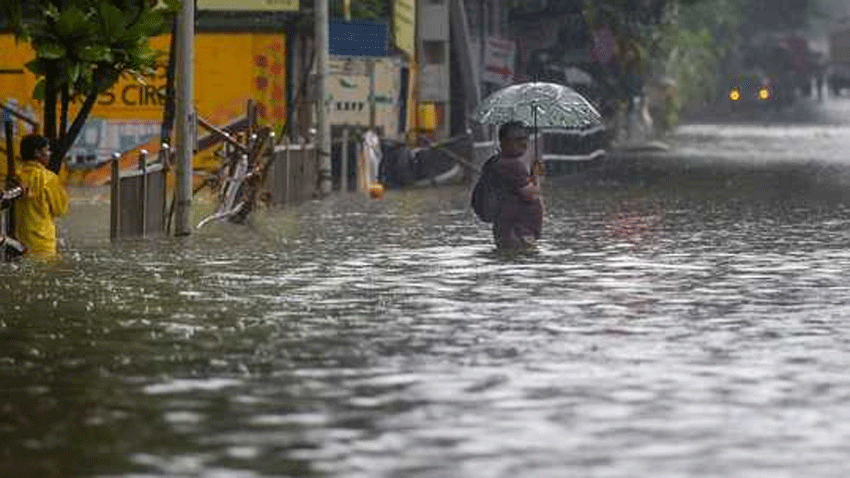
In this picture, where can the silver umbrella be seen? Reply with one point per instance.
(541, 106)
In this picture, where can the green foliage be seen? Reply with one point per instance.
(82, 48)
(692, 50)
(684, 40)
(11, 13)
(86, 45)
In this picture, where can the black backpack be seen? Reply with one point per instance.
(486, 200)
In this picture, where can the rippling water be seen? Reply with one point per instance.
(685, 316)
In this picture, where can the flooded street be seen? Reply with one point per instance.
(688, 314)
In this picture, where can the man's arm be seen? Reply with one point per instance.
(517, 179)
(56, 196)
(532, 190)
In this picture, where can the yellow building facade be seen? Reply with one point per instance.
(230, 69)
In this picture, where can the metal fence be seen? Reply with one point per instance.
(293, 176)
(138, 198)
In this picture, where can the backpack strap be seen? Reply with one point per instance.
(489, 163)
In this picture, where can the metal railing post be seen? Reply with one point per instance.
(143, 189)
(286, 171)
(165, 160)
(343, 165)
(115, 203)
(8, 226)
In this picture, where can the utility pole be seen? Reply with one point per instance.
(183, 134)
(481, 35)
(323, 130)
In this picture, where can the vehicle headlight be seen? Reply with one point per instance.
(735, 94)
(764, 93)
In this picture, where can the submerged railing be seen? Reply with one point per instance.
(138, 197)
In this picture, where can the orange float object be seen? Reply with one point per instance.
(376, 191)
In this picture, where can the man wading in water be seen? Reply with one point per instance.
(44, 198)
(520, 219)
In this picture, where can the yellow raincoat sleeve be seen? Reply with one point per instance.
(55, 196)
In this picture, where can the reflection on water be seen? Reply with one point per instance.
(678, 320)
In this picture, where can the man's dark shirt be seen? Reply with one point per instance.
(519, 219)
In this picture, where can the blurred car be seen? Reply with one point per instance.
(750, 88)
(754, 88)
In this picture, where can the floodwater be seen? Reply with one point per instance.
(687, 315)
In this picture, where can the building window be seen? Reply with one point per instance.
(434, 52)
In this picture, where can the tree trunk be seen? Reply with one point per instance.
(50, 98)
(63, 113)
(168, 109)
(299, 94)
(73, 131)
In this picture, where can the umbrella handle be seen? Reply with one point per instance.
(536, 160)
(537, 169)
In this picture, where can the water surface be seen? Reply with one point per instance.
(686, 315)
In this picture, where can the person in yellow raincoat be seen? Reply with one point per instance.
(44, 198)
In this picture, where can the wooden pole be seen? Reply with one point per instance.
(9, 128)
(343, 165)
(165, 160)
(286, 171)
(323, 129)
(143, 190)
(370, 67)
(184, 135)
(227, 137)
(115, 203)
(9, 216)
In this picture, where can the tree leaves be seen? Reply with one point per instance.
(73, 23)
(172, 5)
(11, 12)
(95, 53)
(73, 71)
(111, 20)
(38, 91)
(84, 46)
(84, 35)
(36, 66)
(51, 51)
